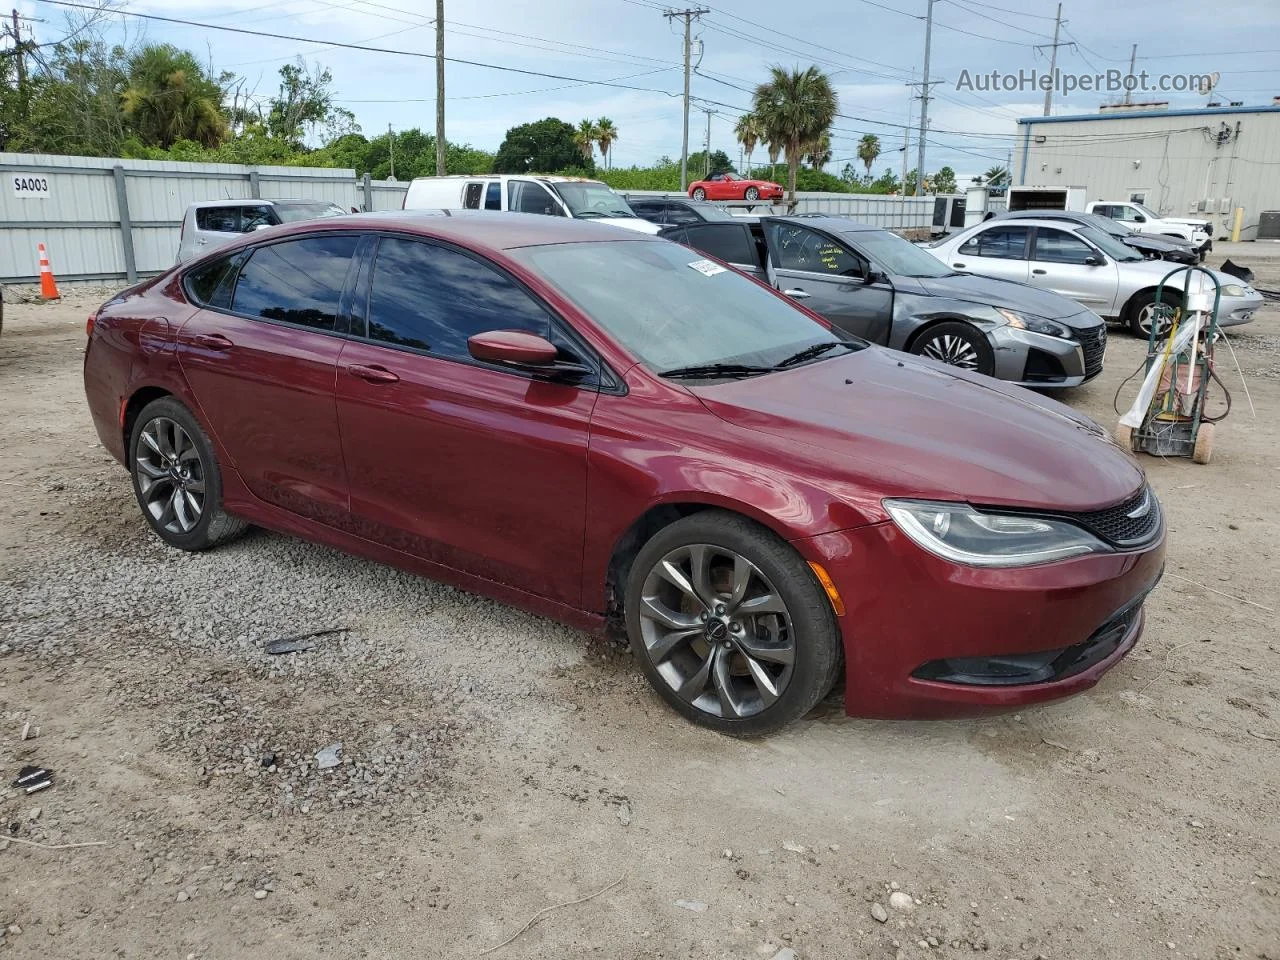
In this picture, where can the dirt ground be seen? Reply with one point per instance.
(495, 764)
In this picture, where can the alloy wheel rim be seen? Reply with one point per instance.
(716, 630)
(171, 476)
(953, 350)
(1145, 316)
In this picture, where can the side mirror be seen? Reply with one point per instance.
(1139, 218)
(1093, 261)
(527, 351)
(260, 226)
(874, 276)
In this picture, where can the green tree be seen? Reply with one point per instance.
(795, 107)
(997, 176)
(606, 134)
(944, 181)
(747, 131)
(869, 151)
(72, 102)
(540, 147)
(304, 105)
(168, 97)
(819, 154)
(585, 140)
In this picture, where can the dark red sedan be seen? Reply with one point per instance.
(606, 428)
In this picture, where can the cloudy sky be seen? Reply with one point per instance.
(872, 50)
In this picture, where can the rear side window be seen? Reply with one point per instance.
(1004, 243)
(433, 298)
(297, 281)
(493, 196)
(218, 219)
(471, 198)
(728, 241)
(210, 284)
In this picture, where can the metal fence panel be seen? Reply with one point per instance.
(895, 213)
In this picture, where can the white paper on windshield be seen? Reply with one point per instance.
(707, 268)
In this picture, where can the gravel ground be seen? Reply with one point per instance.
(494, 764)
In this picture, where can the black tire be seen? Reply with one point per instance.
(960, 341)
(817, 652)
(198, 464)
(752, 194)
(1143, 302)
(699, 194)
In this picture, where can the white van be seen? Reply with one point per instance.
(553, 196)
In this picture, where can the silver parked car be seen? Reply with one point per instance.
(212, 223)
(1084, 263)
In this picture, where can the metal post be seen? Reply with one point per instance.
(1053, 62)
(367, 183)
(706, 160)
(391, 143)
(126, 224)
(1133, 62)
(255, 188)
(906, 133)
(440, 142)
(688, 16)
(924, 100)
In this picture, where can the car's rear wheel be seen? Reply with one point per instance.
(752, 193)
(1144, 312)
(176, 478)
(699, 193)
(957, 344)
(730, 625)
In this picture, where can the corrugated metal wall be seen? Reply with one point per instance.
(79, 221)
(1200, 165)
(895, 213)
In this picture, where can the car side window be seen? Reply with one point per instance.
(253, 217)
(471, 197)
(678, 213)
(730, 242)
(1105, 210)
(648, 210)
(526, 196)
(432, 298)
(493, 196)
(218, 219)
(297, 281)
(799, 248)
(1003, 243)
(210, 284)
(1059, 246)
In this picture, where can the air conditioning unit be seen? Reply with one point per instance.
(1192, 208)
(1224, 205)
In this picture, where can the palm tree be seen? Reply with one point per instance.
(795, 107)
(606, 134)
(585, 137)
(819, 154)
(869, 150)
(747, 130)
(167, 98)
(996, 176)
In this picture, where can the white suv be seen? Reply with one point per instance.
(211, 223)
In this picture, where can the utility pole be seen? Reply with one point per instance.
(924, 99)
(440, 144)
(688, 16)
(1053, 60)
(391, 143)
(706, 153)
(17, 53)
(906, 131)
(1133, 62)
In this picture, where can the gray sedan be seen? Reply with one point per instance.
(1083, 263)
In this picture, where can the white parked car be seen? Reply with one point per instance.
(1135, 216)
(211, 223)
(553, 196)
(1084, 263)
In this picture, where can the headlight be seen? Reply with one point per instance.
(1234, 290)
(1025, 321)
(958, 532)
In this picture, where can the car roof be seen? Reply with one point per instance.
(254, 202)
(827, 222)
(479, 230)
(547, 177)
(1047, 215)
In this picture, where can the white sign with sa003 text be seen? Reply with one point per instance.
(26, 186)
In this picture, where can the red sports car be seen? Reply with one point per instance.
(608, 429)
(730, 186)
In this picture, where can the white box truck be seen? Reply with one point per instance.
(1048, 198)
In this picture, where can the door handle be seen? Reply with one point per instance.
(213, 341)
(371, 373)
(958, 266)
(1038, 271)
(796, 294)
(202, 240)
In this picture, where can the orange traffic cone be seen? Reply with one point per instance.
(48, 287)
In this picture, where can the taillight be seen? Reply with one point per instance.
(88, 324)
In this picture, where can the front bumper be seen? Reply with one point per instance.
(907, 610)
(1233, 311)
(1039, 361)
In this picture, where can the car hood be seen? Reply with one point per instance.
(1153, 271)
(892, 424)
(1152, 241)
(996, 293)
(1189, 221)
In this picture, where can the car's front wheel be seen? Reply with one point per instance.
(699, 194)
(957, 344)
(752, 193)
(176, 478)
(1145, 313)
(730, 625)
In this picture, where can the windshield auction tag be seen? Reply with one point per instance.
(707, 268)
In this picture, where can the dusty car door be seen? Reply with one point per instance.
(999, 250)
(261, 363)
(469, 464)
(1067, 265)
(821, 272)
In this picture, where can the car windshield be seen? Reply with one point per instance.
(900, 257)
(672, 309)
(293, 212)
(1109, 245)
(587, 200)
